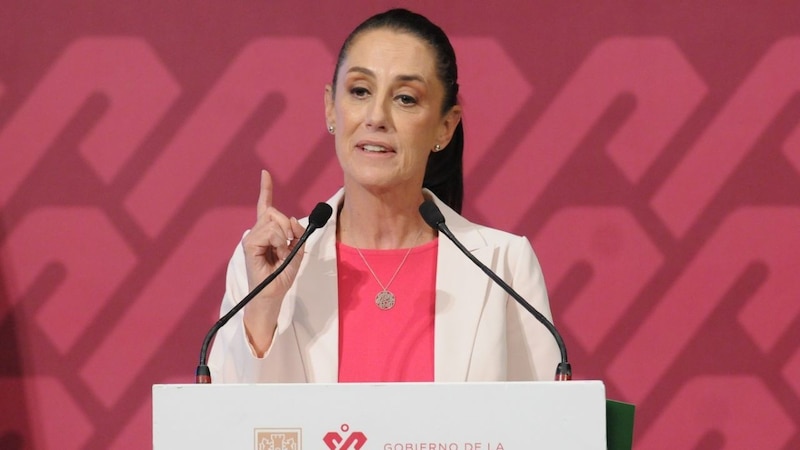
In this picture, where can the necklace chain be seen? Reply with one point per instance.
(376, 276)
(385, 298)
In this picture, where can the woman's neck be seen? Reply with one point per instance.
(382, 221)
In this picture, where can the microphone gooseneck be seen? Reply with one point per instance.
(435, 219)
(317, 219)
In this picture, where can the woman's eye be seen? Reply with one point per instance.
(359, 92)
(406, 100)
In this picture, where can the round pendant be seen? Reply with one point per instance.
(384, 300)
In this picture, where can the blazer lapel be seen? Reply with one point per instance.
(317, 308)
(460, 295)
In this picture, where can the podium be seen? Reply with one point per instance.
(389, 416)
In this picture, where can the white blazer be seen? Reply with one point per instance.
(480, 332)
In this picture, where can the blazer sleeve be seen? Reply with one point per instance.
(532, 351)
(232, 359)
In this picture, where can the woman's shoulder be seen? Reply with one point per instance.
(512, 253)
(499, 237)
(464, 228)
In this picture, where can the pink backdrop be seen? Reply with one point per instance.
(651, 153)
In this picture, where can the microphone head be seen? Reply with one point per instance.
(320, 214)
(430, 212)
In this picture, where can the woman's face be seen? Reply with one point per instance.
(387, 110)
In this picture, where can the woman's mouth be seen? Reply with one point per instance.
(371, 148)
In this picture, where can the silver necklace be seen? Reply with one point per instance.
(385, 299)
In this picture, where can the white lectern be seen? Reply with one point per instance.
(395, 416)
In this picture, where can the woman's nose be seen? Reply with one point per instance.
(377, 116)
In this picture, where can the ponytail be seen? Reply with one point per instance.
(444, 175)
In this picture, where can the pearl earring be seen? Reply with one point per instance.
(331, 129)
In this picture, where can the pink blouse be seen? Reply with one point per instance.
(386, 345)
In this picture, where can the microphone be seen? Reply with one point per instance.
(434, 218)
(317, 219)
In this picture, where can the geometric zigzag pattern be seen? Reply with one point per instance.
(655, 169)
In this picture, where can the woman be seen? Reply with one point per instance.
(375, 295)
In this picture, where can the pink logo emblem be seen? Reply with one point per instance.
(336, 441)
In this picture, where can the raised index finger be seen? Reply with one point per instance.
(265, 195)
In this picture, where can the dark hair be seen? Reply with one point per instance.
(444, 174)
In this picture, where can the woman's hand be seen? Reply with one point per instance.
(266, 246)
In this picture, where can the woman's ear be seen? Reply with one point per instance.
(330, 116)
(448, 125)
